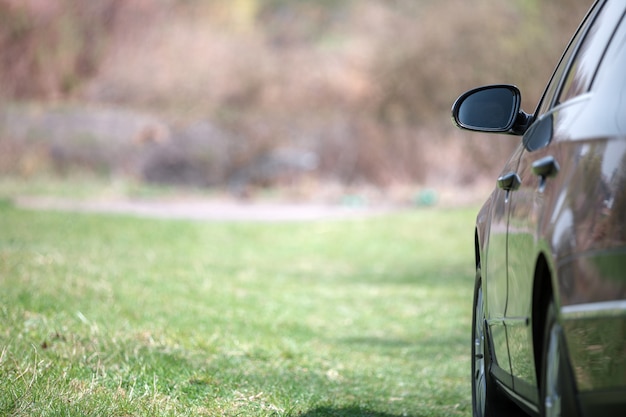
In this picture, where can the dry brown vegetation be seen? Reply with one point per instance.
(259, 92)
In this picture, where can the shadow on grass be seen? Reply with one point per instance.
(344, 412)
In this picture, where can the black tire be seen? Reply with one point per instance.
(557, 393)
(487, 400)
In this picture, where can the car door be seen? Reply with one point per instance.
(494, 268)
(546, 148)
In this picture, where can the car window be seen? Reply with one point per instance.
(555, 82)
(588, 56)
(550, 92)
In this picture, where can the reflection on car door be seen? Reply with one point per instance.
(526, 206)
(495, 271)
(548, 143)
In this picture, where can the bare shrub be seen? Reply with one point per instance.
(50, 47)
(366, 86)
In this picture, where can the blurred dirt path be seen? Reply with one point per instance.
(204, 209)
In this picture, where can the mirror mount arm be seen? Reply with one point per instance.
(522, 122)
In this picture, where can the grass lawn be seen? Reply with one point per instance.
(110, 315)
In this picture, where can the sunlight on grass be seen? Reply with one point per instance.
(112, 315)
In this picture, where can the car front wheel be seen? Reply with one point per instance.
(487, 401)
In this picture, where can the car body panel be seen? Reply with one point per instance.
(496, 289)
(579, 193)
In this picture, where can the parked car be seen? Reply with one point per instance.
(549, 312)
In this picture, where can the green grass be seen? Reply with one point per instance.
(109, 315)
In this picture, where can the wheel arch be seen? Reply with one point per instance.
(543, 293)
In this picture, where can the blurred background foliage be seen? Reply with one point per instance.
(255, 93)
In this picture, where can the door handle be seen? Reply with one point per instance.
(509, 182)
(546, 167)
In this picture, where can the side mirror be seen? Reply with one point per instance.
(493, 108)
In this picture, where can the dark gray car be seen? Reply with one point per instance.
(549, 328)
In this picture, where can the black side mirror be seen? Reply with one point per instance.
(493, 108)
